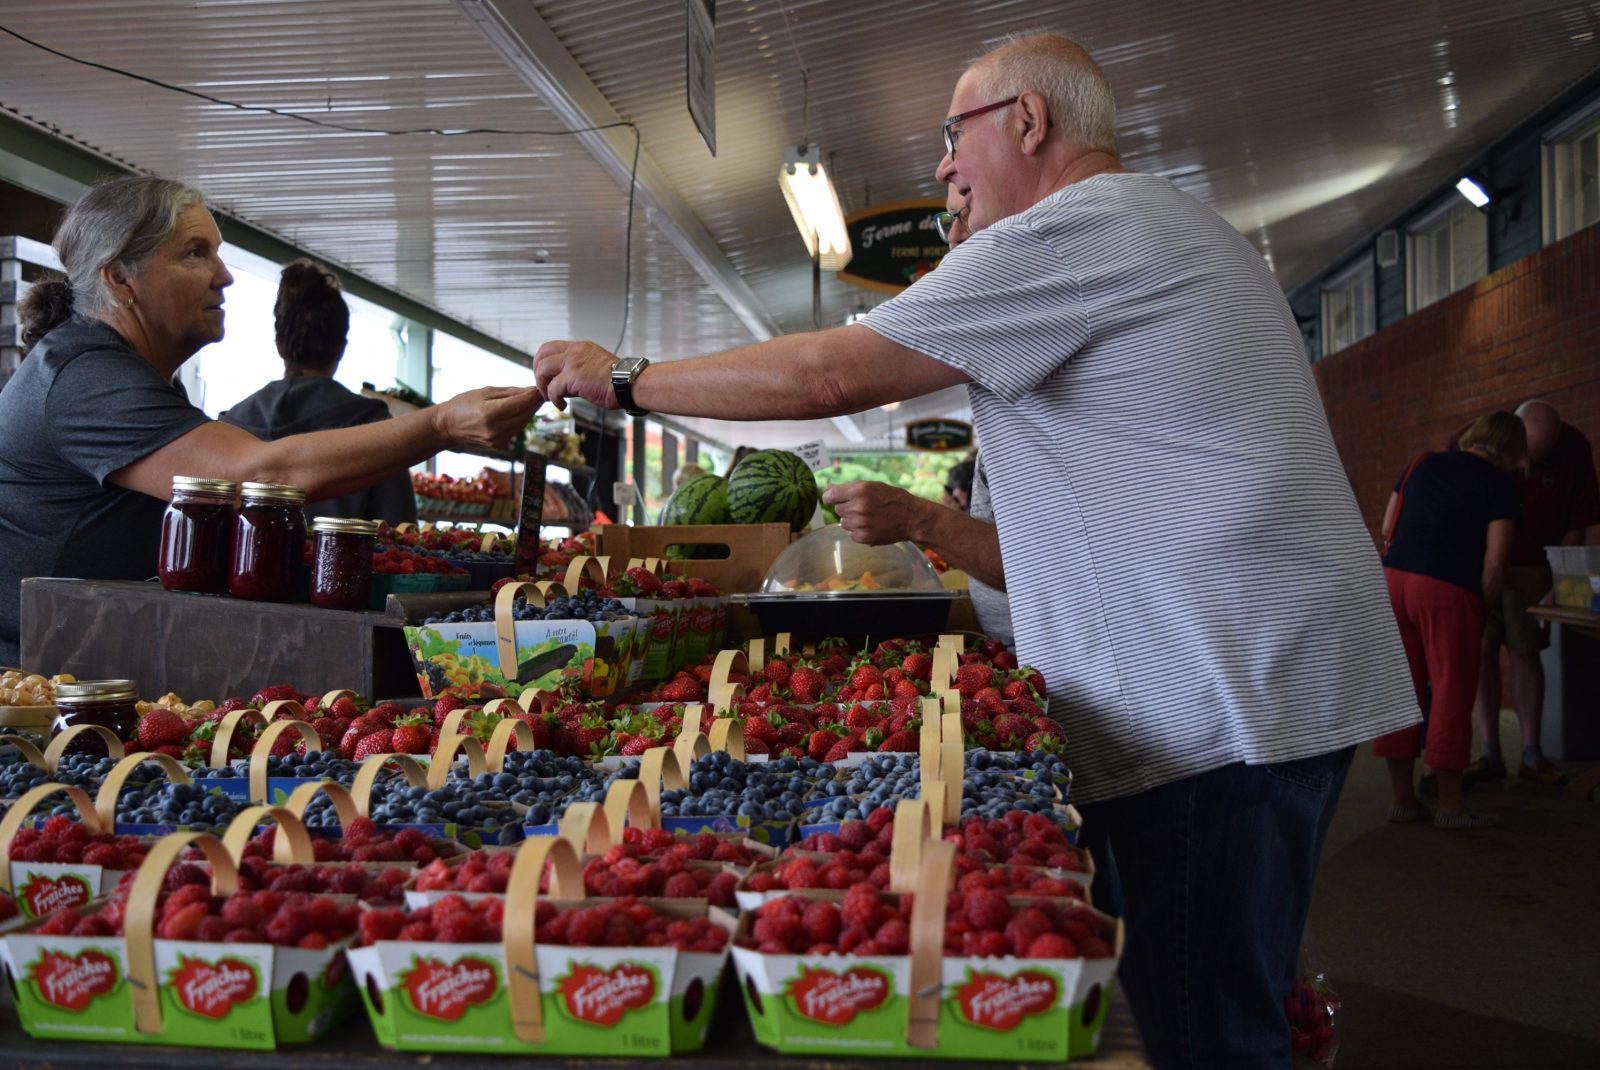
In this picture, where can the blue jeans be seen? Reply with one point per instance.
(1213, 875)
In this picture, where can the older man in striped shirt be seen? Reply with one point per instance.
(1184, 556)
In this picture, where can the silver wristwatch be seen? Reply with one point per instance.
(624, 373)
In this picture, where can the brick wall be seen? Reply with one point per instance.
(1531, 329)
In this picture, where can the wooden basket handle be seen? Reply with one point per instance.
(694, 716)
(519, 940)
(579, 567)
(688, 748)
(628, 805)
(912, 830)
(952, 770)
(262, 752)
(291, 844)
(325, 703)
(451, 725)
(59, 743)
(373, 767)
(139, 915)
(505, 625)
(500, 742)
(587, 827)
(780, 644)
(23, 808)
(225, 730)
(727, 734)
(504, 707)
(659, 768)
(928, 740)
(727, 663)
(344, 803)
(757, 656)
(725, 699)
(29, 749)
(105, 800)
(927, 943)
(943, 672)
(445, 756)
(487, 544)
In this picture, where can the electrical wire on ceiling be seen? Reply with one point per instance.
(633, 174)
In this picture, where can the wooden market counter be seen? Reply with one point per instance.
(1572, 690)
(729, 1046)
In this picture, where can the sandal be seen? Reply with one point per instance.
(1403, 815)
(1465, 821)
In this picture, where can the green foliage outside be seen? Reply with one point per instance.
(922, 474)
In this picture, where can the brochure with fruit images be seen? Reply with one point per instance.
(465, 656)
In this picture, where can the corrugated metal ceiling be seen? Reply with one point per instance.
(1304, 124)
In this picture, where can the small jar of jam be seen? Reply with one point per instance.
(197, 535)
(341, 562)
(109, 703)
(267, 542)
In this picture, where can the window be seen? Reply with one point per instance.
(1449, 249)
(1572, 176)
(1349, 310)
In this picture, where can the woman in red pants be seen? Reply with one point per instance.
(1450, 519)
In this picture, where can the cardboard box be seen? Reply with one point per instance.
(547, 652)
(751, 548)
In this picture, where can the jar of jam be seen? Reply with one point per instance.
(109, 703)
(197, 535)
(268, 540)
(341, 562)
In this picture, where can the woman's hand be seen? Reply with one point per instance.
(487, 418)
(575, 370)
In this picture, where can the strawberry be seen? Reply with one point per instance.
(1012, 730)
(344, 706)
(806, 684)
(972, 678)
(410, 739)
(906, 689)
(444, 706)
(777, 672)
(759, 727)
(683, 688)
(865, 675)
(917, 666)
(839, 751)
(902, 741)
(1043, 743)
(820, 744)
(161, 727)
(379, 742)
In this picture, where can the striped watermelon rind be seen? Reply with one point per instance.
(701, 500)
(772, 487)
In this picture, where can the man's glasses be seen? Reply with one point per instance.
(944, 223)
(949, 139)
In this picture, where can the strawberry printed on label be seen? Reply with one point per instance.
(43, 895)
(602, 997)
(211, 990)
(836, 998)
(1000, 1003)
(71, 982)
(445, 992)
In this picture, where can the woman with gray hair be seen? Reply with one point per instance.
(93, 429)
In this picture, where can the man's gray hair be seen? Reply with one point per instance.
(120, 221)
(1057, 68)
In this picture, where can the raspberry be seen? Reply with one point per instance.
(986, 910)
(720, 892)
(586, 928)
(799, 873)
(104, 855)
(287, 927)
(241, 912)
(184, 873)
(461, 929)
(1052, 946)
(860, 908)
(781, 930)
(211, 929)
(821, 922)
(183, 923)
(985, 945)
(765, 881)
(1023, 930)
(894, 937)
(681, 886)
(1095, 948)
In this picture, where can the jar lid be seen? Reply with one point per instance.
(98, 690)
(336, 525)
(203, 485)
(283, 492)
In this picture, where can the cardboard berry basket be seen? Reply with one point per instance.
(256, 785)
(42, 887)
(136, 989)
(519, 997)
(515, 655)
(925, 1004)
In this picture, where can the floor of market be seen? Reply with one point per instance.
(1464, 949)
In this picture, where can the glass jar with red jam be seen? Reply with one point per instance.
(268, 541)
(341, 562)
(108, 703)
(197, 535)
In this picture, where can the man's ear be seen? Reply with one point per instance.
(1035, 115)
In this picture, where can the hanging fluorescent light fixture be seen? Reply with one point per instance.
(815, 206)
(1472, 192)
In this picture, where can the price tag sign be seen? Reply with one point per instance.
(531, 514)
(815, 454)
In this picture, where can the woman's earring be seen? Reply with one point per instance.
(128, 302)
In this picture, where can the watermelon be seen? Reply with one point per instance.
(772, 487)
(701, 500)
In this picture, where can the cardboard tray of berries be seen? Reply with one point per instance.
(565, 975)
(865, 975)
(198, 966)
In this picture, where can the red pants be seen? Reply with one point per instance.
(1441, 626)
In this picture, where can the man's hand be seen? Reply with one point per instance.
(488, 418)
(574, 370)
(877, 513)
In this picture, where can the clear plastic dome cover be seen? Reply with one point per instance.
(828, 561)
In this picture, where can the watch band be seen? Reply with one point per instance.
(622, 385)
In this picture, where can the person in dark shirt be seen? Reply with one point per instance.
(93, 429)
(311, 321)
(1560, 498)
(1451, 520)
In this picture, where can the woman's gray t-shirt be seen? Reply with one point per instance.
(81, 406)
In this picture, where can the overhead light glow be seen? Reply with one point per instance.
(1472, 192)
(815, 206)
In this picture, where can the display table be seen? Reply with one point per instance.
(209, 646)
(1571, 729)
(730, 1046)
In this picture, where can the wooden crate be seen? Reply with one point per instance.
(752, 548)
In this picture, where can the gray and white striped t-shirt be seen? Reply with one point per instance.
(1183, 553)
